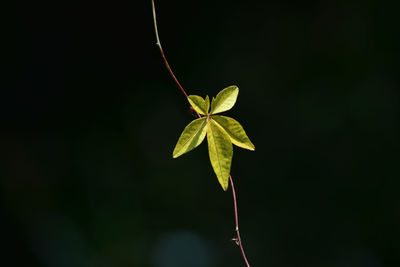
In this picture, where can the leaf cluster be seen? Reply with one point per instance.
(221, 132)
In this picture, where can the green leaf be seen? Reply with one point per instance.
(207, 100)
(191, 137)
(235, 131)
(199, 104)
(224, 100)
(220, 151)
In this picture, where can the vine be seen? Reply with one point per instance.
(221, 132)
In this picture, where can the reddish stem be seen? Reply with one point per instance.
(162, 52)
(238, 239)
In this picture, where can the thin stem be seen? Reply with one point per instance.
(162, 52)
(238, 239)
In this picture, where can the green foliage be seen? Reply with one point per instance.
(235, 131)
(221, 151)
(225, 100)
(199, 104)
(221, 132)
(191, 137)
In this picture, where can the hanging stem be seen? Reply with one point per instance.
(237, 239)
(162, 52)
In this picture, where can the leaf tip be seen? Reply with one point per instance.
(234, 88)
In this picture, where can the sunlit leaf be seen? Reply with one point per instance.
(199, 104)
(224, 100)
(191, 137)
(221, 132)
(207, 100)
(235, 131)
(220, 151)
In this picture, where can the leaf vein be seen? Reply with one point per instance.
(194, 133)
(216, 148)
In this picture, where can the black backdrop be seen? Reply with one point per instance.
(90, 116)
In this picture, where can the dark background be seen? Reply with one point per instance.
(90, 116)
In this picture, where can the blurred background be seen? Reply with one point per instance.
(90, 116)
